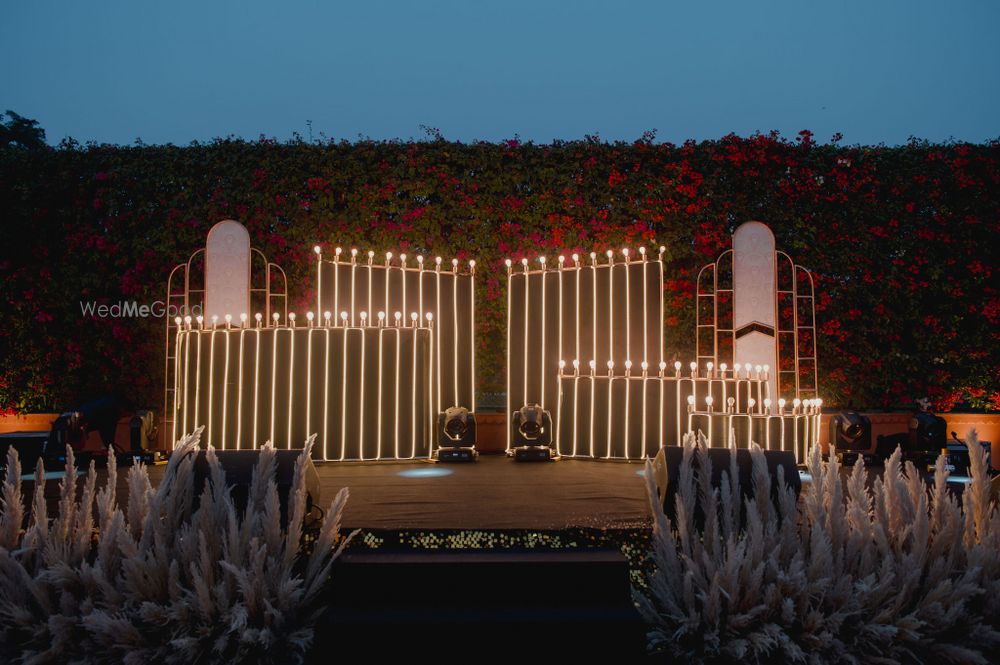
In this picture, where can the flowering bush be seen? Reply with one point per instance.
(160, 581)
(892, 574)
(899, 240)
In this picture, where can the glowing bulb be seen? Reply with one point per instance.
(562, 364)
(677, 365)
(388, 256)
(200, 319)
(576, 364)
(420, 259)
(343, 317)
(327, 315)
(662, 249)
(541, 259)
(781, 403)
(663, 365)
(593, 364)
(507, 262)
(644, 365)
(397, 316)
(317, 249)
(413, 317)
(454, 263)
(709, 365)
(767, 368)
(229, 319)
(722, 368)
(691, 400)
(291, 317)
(796, 403)
(310, 316)
(709, 400)
(767, 402)
(437, 260)
(593, 255)
(576, 258)
(472, 264)
(818, 402)
(642, 250)
(354, 252)
(429, 317)
(215, 319)
(338, 251)
(731, 401)
(243, 317)
(628, 364)
(562, 259)
(258, 316)
(611, 364)
(275, 316)
(751, 402)
(524, 262)
(610, 254)
(693, 366)
(402, 257)
(178, 320)
(747, 367)
(187, 319)
(364, 317)
(381, 317)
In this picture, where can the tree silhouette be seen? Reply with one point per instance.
(16, 130)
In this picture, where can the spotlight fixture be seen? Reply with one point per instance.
(457, 435)
(532, 434)
(851, 432)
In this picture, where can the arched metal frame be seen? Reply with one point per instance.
(181, 298)
(707, 289)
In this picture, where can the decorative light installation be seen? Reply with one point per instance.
(756, 305)
(604, 311)
(630, 416)
(364, 390)
(408, 284)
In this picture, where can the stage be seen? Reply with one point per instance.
(495, 493)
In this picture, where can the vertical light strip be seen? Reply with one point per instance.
(645, 306)
(542, 367)
(430, 389)
(378, 408)
(611, 306)
(560, 328)
(593, 327)
(197, 385)
(309, 364)
(472, 333)
(343, 390)
(326, 388)
(413, 398)
(527, 312)
(437, 338)
(256, 385)
(291, 385)
(225, 391)
(178, 396)
(211, 382)
(396, 401)
(354, 267)
(454, 323)
(510, 298)
(643, 432)
(559, 399)
(628, 384)
(628, 312)
(274, 378)
(361, 410)
(239, 393)
(577, 319)
(319, 279)
(611, 393)
(576, 411)
(593, 399)
(187, 398)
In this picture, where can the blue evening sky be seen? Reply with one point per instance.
(172, 72)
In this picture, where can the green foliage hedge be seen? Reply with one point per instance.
(901, 241)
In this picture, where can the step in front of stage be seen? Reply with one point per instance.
(461, 604)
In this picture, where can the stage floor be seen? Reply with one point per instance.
(493, 493)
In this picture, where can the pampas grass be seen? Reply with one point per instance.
(161, 582)
(898, 573)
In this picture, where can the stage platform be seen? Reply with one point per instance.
(495, 493)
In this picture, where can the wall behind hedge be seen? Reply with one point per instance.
(901, 241)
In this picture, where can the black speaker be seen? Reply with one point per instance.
(851, 431)
(668, 464)
(928, 433)
(239, 466)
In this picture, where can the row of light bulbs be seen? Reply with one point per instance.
(438, 261)
(755, 372)
(806, 407)
(576, 258)
(312, 321)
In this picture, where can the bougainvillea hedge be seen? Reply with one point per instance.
(901, 240)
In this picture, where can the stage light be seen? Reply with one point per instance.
(424, 473)
(532, 434)
(457, 435)
(851, 431)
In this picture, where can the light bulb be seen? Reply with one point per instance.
(243, 317)
(747, 367)
(437, 260)
(429, 317)
(663, 365)
(541, 259)
(562, 259)
(781, 403)
(694, 367)
(354, 252)
(317, 249)
(691, 400)
(381, 317)
(751, 402)
(371, 255)
(593, 364)
(796, 402)
(472, 264)
(709, 400)
(625, 252)
(610, 254)
(338, 251)
(731, 401)
(767, 368)
(388, 256)
(215, 319)
(229, 319)
(402, 257)
(364, 317)
(677, 365)
(291, 317)
(611, 364)
(507, 262)
(644, 365)
(454, 263)
(327, 315)
(524, 262)
(413, 317)
(187, 319)
(709, 365)
(722, 368)
(397, 316)
(420, 260)
(576, 364)
(642, 250)
(258, 316)
(200, 319)
(178, 320)
(767, 402)
(562, 364)
(310, 316)
(818, 402)
(275, 316)
(343, 317)
(576, 258)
